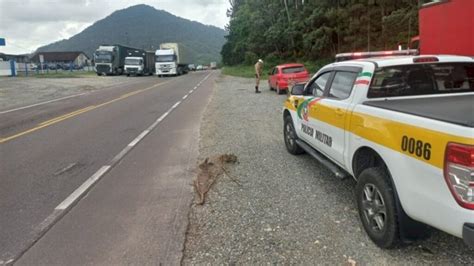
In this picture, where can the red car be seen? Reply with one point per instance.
(282, 76)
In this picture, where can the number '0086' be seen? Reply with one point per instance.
(416, 147)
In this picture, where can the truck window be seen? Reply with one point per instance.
(342, 84)
(425, 79)
(165, 58)
(317, 87)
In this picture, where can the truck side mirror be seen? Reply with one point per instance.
(298, 89)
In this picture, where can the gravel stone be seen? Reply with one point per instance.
(289, 209)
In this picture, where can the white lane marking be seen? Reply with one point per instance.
(163, 116)
(41, 103)
(119, 156)
(175, 105)
(185, 96)
(83, 188)
(137, 139)
(150, 128)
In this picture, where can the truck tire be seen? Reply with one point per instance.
(290, 136)
(270, 86)
(377, 207)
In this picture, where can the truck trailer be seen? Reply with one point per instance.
(110, 59)
(140, 62)
(172, 59)
(445, 27)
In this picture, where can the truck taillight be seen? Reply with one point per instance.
(459, 173)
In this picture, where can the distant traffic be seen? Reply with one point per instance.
(171, 59)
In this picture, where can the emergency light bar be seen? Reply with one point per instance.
(359, 55)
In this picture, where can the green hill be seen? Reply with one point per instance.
(145, 27)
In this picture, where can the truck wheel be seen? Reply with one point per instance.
(270, 86)
(290, 136)
(377, 207)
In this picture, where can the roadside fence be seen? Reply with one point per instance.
(12, 68)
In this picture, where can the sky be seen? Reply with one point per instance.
(29, 24)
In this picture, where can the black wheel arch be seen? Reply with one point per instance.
(366, 157)
(286, 113)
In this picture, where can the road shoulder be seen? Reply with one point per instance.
(287, 209)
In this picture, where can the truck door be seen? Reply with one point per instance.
(305, 126)
(330, 114)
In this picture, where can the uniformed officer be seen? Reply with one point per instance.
(258, 73)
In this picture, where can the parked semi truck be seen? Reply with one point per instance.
(110, 59)
(445, 27)
(172, 59)
(140, 62)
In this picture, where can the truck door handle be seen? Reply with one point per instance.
(339, 111)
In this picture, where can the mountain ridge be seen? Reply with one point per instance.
(145, 27)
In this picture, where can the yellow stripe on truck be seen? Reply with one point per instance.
(392, 134)
(420, 143)
(326, 113)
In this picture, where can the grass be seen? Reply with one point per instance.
(248, 71)
(244, 71)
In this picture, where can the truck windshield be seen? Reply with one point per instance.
(133, 61)
(165, 58)
(103, 57)
(423, 79)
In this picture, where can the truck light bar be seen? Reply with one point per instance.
(359, 55)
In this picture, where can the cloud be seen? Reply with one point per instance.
(28, 24)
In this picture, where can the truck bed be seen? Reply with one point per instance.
(456, 109)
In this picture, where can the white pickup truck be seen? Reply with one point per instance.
(403, 128)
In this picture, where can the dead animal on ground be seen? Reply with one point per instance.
(209, 171)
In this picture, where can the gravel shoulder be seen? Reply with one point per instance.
(288, 209)
(17, 92)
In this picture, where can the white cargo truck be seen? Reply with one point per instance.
(172, 59)
(213, 65)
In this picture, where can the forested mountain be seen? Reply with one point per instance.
(145, 27)
(313, 29)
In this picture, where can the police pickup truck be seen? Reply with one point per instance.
(403, 128)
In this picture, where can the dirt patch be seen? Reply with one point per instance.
(209, 171)
(18, 92)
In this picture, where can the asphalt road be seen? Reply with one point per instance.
(129, 149)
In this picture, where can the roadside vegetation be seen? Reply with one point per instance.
(248, 71)
(313, 31)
